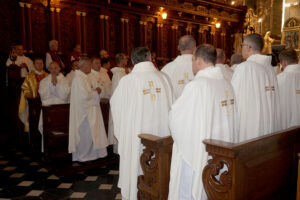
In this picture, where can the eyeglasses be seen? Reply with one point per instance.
(247, 45)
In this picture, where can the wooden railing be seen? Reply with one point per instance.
(261, 168)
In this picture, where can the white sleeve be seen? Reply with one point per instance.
(48, 60)
(44, 90)
(8, 62)
(29, 63)
(96, 99)
(62, 89)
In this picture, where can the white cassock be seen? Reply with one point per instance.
(140, 104)
(87, 140)
(256, 90)
(289, 92)
(70, 77)
(233, 67)
(19, 61)
(226, 71)
(52, 94)
(205, 110)
(118, 73)
(107, 83)
(180, 72)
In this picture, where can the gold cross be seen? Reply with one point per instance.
(186, 79)
(227, 102)
(152, 90)
(270, 89)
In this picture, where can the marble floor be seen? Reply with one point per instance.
(22, 177)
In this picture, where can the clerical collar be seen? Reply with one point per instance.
(146, 66)
(292, 68)
(260, 59)
(210, 72)
(37, 72)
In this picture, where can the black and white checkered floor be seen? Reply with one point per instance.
(24, 178)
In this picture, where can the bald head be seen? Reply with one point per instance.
(220, 56)
(85, 65)
(187, 44)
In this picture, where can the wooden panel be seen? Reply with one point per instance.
(68, 28)
(92, 20)
(39, 28)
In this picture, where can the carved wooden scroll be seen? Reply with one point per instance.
(155, 162)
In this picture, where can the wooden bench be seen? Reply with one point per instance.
(261, 168)
(56, 130)
(34, 107)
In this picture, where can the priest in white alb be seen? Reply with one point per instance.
(96, 82)
(220, 63)
(118, 72)
(53, 89)
(256, 90)
(105, 67)
(289, 88)
(71, 74)
(22, 61)
(140, 104)
(180, 70)
(86, 141)
(205, 110)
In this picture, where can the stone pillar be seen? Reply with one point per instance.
(102, 32)
(107, 33)
(22, 24)
(78, 27)
(52, 22)
(84, 33)
(122, 35)
(29, 27)
(58, 28)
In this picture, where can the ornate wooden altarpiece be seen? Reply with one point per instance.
(121, 25)
(291, 34)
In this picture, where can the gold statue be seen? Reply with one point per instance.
(268, 43)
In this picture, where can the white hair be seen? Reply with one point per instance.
(53, 43)
(83, 61)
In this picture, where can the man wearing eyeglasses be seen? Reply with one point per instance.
(256, 89)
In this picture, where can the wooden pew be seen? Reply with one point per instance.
(34, 107)
(261, 168)
(56, 130)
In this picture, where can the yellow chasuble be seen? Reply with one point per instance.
(30, 86)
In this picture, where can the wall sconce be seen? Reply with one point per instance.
(218, 25)
(164, 15)
(259, 20)
(232, 3)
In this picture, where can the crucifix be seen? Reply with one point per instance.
(152, 91)
(270, 89)
(227, 102)
(186, 79)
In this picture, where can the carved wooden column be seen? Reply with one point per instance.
(101, 32)
(52, 19)
(141, 28)
(84, 33)
(213, 34)
(145, 34)
(22, 20)
(223, 39)
(127, 37)
(161, 39)
(173, 42)
(29, 28)
(122, 35)
(78, 27)
(58, 28)
(200, 35)
(158, 39)
(107, 33)
(189, 29)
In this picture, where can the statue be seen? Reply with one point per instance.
(268, 43)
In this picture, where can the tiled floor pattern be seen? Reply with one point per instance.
(23, 178)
